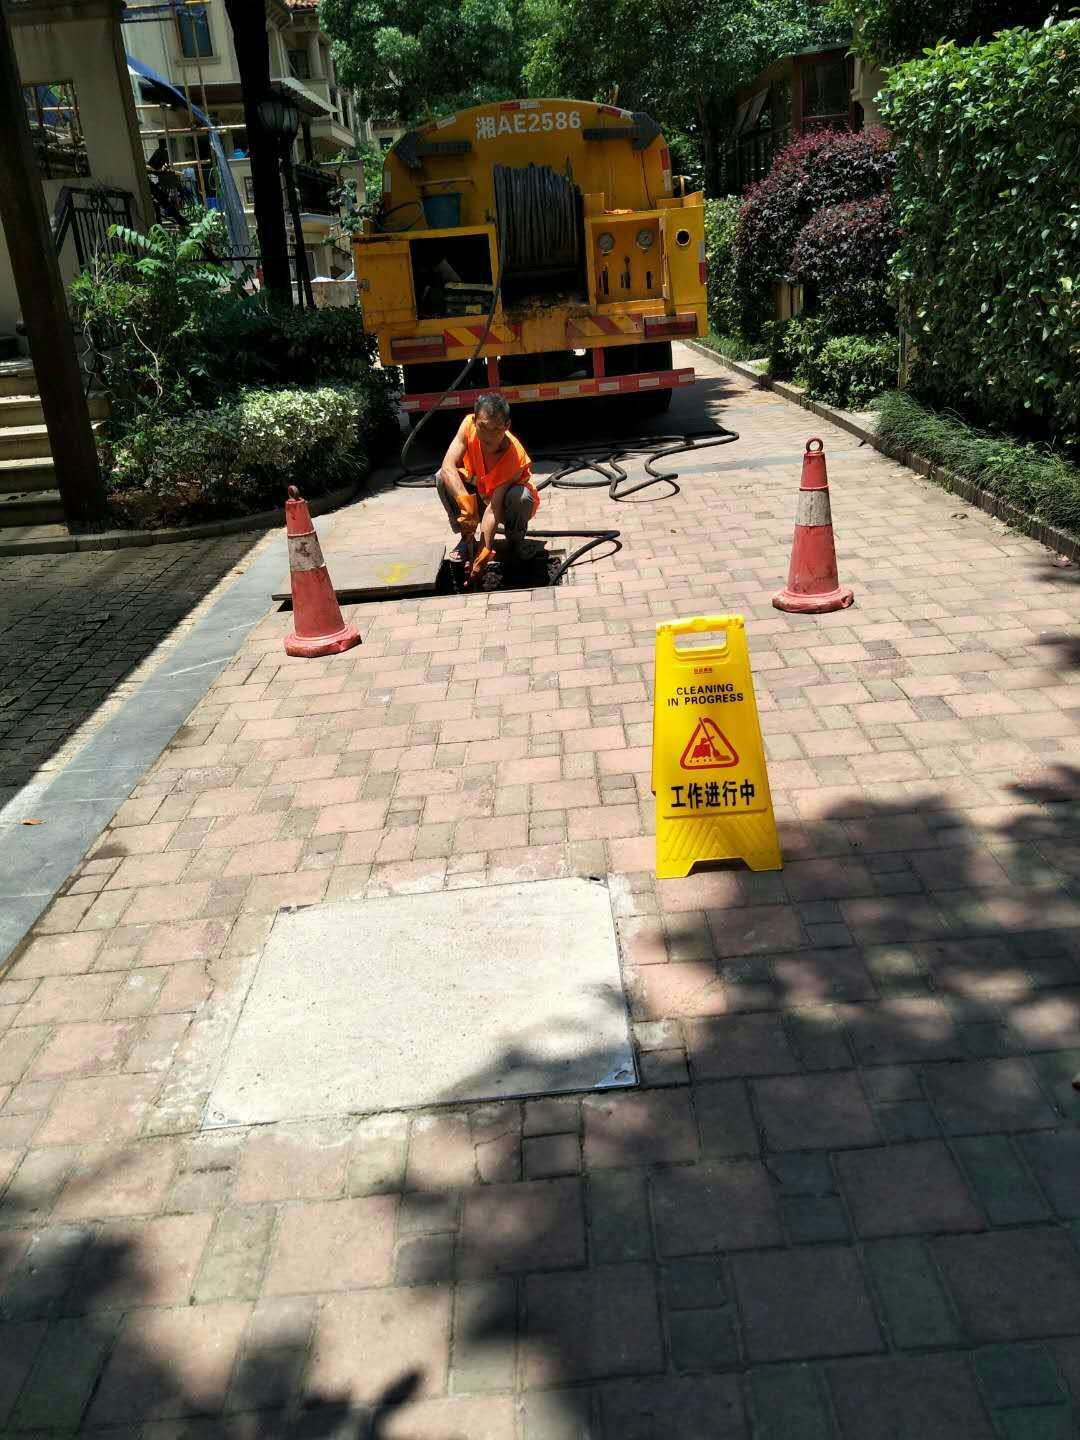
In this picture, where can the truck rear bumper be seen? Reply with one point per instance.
(556, 390)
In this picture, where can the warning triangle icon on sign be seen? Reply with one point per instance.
(709, 749)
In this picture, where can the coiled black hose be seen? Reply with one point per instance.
(538, 213)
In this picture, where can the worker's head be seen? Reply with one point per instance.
(492, 416)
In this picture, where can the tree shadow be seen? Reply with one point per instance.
(905, 993)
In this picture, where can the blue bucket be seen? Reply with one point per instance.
(443, 212)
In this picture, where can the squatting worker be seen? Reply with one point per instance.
(485, 481)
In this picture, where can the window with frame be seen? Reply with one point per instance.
(249, 190)
(56, 131)
(193, 23)
(299, 64)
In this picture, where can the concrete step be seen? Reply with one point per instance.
(20, 477)
(43, 508)
(17, 378)
(28, 442)
(25, 409)
(24, 442)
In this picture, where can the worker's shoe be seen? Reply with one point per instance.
(460, 553)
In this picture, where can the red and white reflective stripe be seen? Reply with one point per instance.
(520, 105)
(565, 390)
(702, 263)
(418, 347)
(665, 168)
(614, 110)
(446, 122)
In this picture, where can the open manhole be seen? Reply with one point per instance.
(417, 1000)
(418, 570)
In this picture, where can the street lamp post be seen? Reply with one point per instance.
(280, 119)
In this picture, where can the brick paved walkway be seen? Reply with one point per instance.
(76, 630)
(845, 1200)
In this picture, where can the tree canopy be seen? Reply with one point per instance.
(680, 62)
(888, 31)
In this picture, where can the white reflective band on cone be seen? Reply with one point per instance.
(305, 552)
(814, 508)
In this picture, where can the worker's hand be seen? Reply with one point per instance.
(467, 516)
(480, 564)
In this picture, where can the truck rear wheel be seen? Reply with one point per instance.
(654, 356)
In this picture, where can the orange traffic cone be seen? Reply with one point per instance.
(320, 628)
(813, 587)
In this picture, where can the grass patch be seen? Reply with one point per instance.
(733, 346)
(1032, 477)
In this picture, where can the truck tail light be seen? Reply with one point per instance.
(419, 347)
(702, 263)
(670, 325)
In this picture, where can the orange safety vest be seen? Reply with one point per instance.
(513, 464)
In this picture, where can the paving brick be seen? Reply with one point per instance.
(153, 1262)
(591, 1325)
(906, 1190)
(293, 1163)
(57, 955)
(916, 1309)
(169, 1363)
(377, 1160)
(1002, 1185)
(1012, 1284)
(725, 1121)
(91, 1048)
(618, 1209)
(538, 1224)
(656, 1127)
(69, 997)
(548, 1155)
(713, 1208)
(485, 1337)
(789, 1400)
(804, 1112)
(333, 1245)
(980, 1097)
(235, 1258)
(1018, 1375)
(804, 1303)
(108, 1181)
(107, 1108)
(441, 1152)
(1055, 1159)
(66, 1367)
(737, 1046)
(18, 1346)
(814, 1220)
(699, 1407)
(363, 1337)
(552, 1117)
(902, 1396)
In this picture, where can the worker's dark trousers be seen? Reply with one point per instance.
(517, 511)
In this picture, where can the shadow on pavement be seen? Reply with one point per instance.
(869, 1050)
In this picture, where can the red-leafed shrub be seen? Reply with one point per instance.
(841, 256)
(819, 170)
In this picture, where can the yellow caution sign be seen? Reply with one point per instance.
(708, 765)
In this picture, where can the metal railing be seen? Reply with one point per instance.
(315, 190)
(86, 215)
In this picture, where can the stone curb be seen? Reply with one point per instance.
(174, 534)
(1054, 539)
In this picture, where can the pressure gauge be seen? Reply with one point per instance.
(605, 243)
(645, 239)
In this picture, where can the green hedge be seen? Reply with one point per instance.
(721, 225)
(1037, 480)
(987, 193)
(240, 456)
(851, 370)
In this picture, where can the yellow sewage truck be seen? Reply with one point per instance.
(546, 238)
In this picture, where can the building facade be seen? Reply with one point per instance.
(192, 49)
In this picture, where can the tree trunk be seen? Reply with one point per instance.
(248, 21)
(708, 146)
